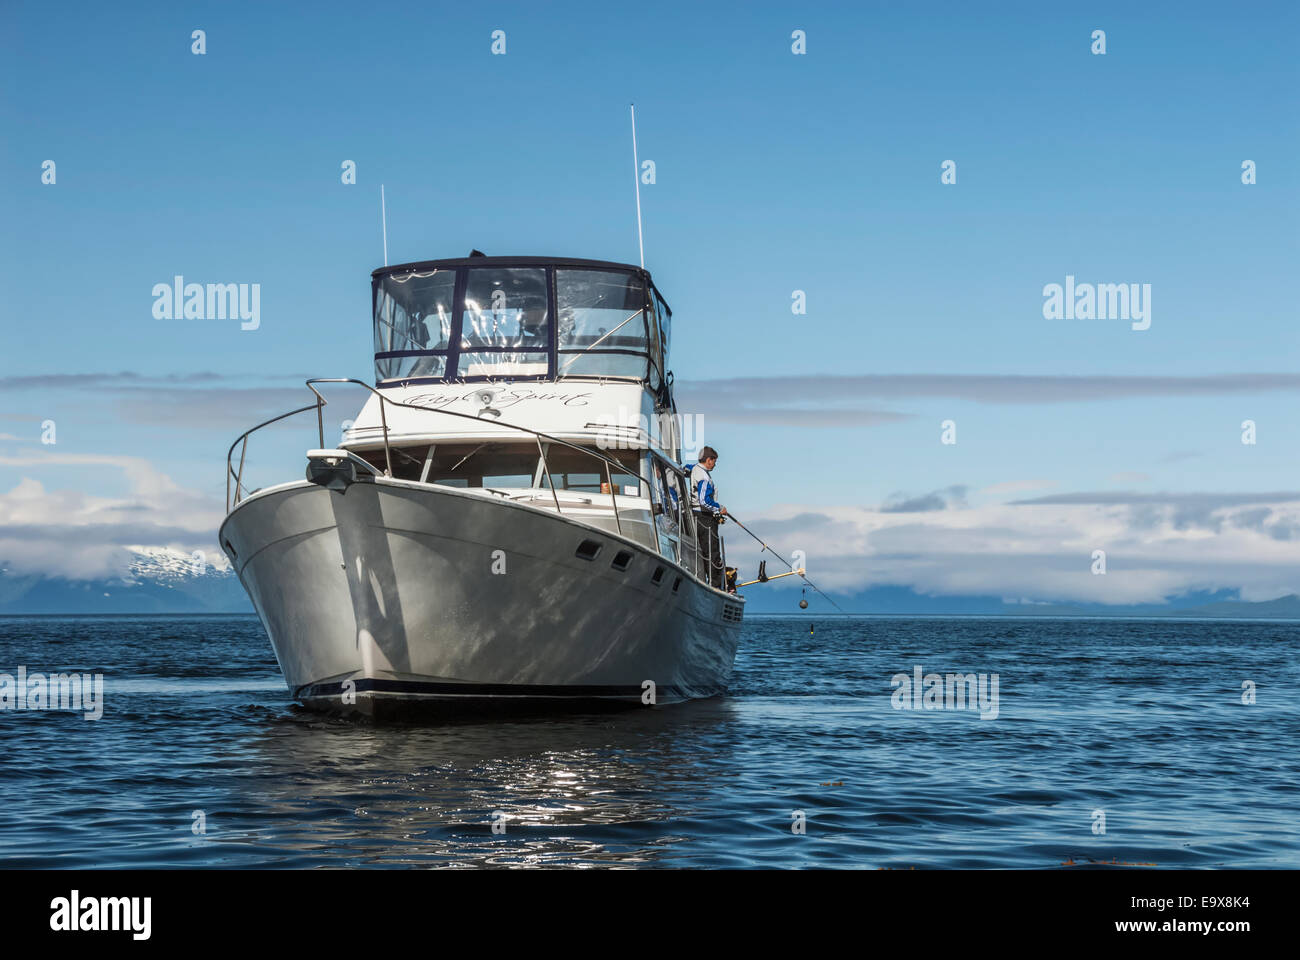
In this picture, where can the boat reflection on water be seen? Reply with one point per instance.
(576, 790)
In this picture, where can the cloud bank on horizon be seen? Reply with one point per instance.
(73, 534)
(1106, 548)
(1040, 549)
(1026, 540)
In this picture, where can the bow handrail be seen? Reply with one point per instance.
(388, 458)
(322, 402)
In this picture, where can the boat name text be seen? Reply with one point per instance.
(500, 399)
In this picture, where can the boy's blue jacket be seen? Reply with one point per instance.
(703, 492)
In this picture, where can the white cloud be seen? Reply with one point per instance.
(1157, 545)
(1043, 551)
(79, 535)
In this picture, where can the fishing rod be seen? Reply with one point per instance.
(765, 578)
(799, 572)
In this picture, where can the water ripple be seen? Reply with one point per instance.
(1139, 724)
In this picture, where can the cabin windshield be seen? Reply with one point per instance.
(506, 322)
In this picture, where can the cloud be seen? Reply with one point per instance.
(1158, 545)
(186, 401)
(938, 500)
(86, 381)
(219, 400)
(817, 397)
(1209, 501)
(73, 534)
(1041, 550)
(229, 408)
(930, 501)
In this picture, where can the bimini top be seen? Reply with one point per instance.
(518, 318)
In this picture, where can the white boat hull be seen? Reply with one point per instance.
(392, 596)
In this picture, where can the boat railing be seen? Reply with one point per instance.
(235, 490)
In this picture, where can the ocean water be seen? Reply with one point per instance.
(1115, 741)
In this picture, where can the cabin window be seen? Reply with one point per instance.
(495, 465)
(665, 325)
(601, 325)
(513, 466)
(571, 470)
(413, 324)
(658, 342)
(505, 324)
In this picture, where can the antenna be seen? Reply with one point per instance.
(383, 213)
(636, 172)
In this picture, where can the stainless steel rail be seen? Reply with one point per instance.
(686, 538)
(243, 437)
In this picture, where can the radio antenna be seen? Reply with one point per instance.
(636, 171)
(383, 213)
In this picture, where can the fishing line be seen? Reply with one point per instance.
(802, 576)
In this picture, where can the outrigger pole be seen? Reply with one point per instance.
(793, 572)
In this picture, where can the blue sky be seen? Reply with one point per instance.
(775, 173)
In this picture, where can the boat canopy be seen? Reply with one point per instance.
(518, 318)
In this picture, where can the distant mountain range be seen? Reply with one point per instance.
(159, 580)
(163, 580)
(904, 601)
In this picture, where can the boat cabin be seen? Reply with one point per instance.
(554, 373)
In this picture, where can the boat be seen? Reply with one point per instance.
(506, 522)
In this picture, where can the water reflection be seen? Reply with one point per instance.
(590, 789)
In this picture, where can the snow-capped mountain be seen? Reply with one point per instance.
(169, 565)
(156, 580)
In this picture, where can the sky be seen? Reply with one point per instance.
(775, 172)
